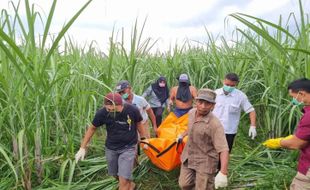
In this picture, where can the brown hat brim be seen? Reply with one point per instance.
(206, 99)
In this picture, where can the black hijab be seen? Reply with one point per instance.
(184, 93)
(162, 93)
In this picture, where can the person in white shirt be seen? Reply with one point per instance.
(124, 89)
(229, 103)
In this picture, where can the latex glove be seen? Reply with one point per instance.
(252, 132)
(179, 139)
(168, 109)
(145, 146)
(220, 180)
(275, 143)
(80, 155)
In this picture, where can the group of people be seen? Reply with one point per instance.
(213, 123)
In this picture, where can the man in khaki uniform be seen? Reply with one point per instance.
(205, 146)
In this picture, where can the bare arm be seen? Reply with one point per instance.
(141, 129)
(224, 157)
(153, 118)
(194, 92)
(293, 143)
(172, 94)
(184, 134)
(171, 98)
(88, 135)
(252, 115)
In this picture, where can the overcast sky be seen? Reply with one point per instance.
(169, 21)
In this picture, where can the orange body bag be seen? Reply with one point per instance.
(164, 151)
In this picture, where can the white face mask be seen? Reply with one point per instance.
(161, 84)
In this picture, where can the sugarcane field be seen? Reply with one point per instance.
(225, 108)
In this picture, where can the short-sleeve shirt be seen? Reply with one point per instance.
(303, 132)
(228, 108)
(206, 139)
(142, 105)
(121, 127)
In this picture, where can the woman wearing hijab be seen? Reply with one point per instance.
(157, 95)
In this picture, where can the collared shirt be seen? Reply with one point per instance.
(142, 105)
(228, 108)
(206, 139)
(303, 132)
(153, 99)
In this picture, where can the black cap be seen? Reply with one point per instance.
(122, 85)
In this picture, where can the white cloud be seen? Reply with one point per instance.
(168, 20)
(263, 7)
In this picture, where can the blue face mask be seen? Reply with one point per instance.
(295, 102)
(228, 89)
(125, 96)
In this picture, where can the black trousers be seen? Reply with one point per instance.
(158, 112)
(230, 141)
